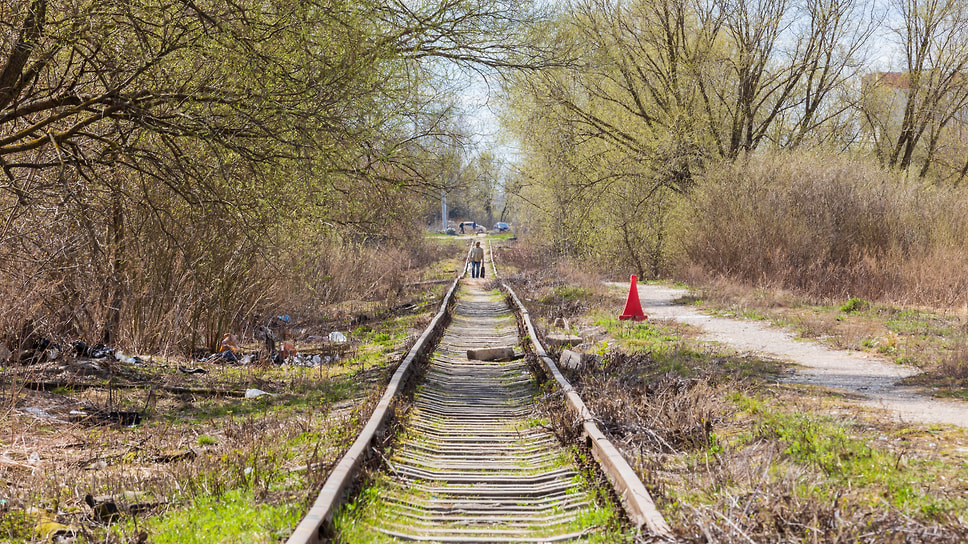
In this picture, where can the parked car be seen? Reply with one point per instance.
(470, 227)
(501, 227)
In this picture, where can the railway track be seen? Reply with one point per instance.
(473, 462)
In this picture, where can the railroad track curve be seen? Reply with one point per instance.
(471, 461)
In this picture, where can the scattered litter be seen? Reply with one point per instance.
(39, 412)
(287, 350)
(337, 337)
(227, 356)
(230, 343)
(191, 370)
(121, 357)
(104, 511)
(254, 393)
(33, 458)
(247, 471)
(247, 359)
(100, 352)
(284, 318)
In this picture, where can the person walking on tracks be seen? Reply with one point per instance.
(476, 257)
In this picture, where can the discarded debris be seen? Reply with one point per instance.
(229, 343)
(337, 337)
(254, 393)
(38, 413)
(104, 511)
(122, 358)
(287, 350)
(554, 340)
(186, 370)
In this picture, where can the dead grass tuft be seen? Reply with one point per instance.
(777, 513)
(954, 365)
(663, 413)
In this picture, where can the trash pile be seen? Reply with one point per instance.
(275, 345)
(279, 349)
(37, 349)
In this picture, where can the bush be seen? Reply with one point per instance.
(855, 305)
(828, 226)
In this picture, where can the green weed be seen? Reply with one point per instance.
(234, 516)
(855, 305)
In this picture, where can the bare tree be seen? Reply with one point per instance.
(934, 38)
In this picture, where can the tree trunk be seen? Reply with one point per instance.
(115, 290)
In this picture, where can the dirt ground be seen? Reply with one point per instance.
(874, 381)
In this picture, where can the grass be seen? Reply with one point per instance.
(731, 455)
(639, 336)
(234, 516)
(204, 456)
(357, 519)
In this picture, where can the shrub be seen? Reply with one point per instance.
(828, 226)
(855, 305)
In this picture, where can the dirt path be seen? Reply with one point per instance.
(860, 373)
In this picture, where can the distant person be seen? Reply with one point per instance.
(462, 227)
(476, 257)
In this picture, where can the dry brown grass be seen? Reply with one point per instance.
(954, 365)
(659, 413)
(685, 439)
(831, 227)
(723, 472)
(173, 297)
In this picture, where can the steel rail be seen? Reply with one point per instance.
(635, 497)
(317, 524)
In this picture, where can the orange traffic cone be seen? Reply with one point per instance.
(633, 307)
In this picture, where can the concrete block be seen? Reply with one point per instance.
(570, 359)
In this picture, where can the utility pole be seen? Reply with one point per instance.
(443, 212)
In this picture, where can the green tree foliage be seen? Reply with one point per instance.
(659, 91)
(159, 159)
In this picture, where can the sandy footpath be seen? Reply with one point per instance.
(859, 373)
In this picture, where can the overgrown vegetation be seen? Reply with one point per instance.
(199, 454)
(174, 172)
(731, 455)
